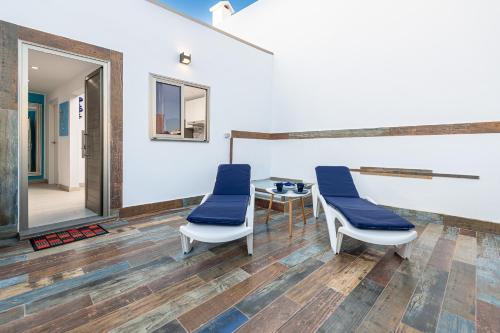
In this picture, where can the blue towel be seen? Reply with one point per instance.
(221, 210)
(363, 214)
(232, 179)
(336, 181)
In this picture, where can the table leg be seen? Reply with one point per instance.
(290, 217)
(269, 208)
(303, 210)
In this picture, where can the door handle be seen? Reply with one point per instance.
(84, 145)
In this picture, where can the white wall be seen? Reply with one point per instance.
(71, 166)
(360, 64)
(239, 75)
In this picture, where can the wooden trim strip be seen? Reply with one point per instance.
(442, 129)
(159, 206)
(417, 130)
(410, 173)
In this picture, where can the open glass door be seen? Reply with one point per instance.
(92, 142)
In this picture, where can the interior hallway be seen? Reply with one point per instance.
(49, 204)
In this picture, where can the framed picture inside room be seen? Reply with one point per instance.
(179, 110)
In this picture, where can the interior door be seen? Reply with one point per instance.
(93, 142)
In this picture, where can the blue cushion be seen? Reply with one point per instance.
(221, 210)
(232, 179)
(363, 214)
(336, 181)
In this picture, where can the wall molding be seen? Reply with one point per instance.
(409, 173)
(492, 127)
(156, 207)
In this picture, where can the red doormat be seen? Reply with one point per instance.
(65, 237)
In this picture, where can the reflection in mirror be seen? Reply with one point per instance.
(168, 109)
(195, 113)
(34, 139)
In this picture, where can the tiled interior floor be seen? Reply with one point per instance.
(135, 279)
(48, 204)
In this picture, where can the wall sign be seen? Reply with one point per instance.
(80, 108)
(64, 119)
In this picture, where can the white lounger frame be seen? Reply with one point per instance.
(402, 240)
(219, 233)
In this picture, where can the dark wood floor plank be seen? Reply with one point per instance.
(385, 268)
(42, 317)
(460, 297)
(226, 322)
(144, 305)
(271, 318)
(311, 317)
(186, 272)
(488, 317)
(305, 290)
(91, 312)
(204, 312)
(422, 251)
(424, 306)
(353, 308)
(171, 309)
(449, 322)
(11, 314)
(104, 286)
(264, 295)
(172, 327)
(390, 306)
(60, 286)
(443, 254)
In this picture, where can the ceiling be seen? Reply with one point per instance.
(191, 93)
(54, 71)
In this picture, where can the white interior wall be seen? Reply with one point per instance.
(360, 64)
(195, 109)
(239, 76)
(70, 166)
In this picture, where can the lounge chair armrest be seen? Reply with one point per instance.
(371, 200)
(205, 197)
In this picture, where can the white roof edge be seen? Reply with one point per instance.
(170, 9)
(222, 3)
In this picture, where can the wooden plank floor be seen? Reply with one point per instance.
(135, 279)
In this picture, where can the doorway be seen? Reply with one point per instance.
(63, 139)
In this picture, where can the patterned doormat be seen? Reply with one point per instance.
(65, 237)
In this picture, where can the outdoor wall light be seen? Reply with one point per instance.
(185, 58)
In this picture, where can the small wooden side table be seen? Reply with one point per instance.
(291, 196)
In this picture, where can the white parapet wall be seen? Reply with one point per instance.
(370, 64)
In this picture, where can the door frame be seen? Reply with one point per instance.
(23, 49)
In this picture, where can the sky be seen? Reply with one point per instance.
(199, 8)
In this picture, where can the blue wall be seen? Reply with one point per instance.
(40, 99)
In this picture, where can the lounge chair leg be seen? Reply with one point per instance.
(250, 244)
(404, 251)
(315, 202)
(186, 244)
(339, 242)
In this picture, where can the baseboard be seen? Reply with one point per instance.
(69, 189)
(448, 220)
(38, 181)
(159, 206)
(413, 215)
